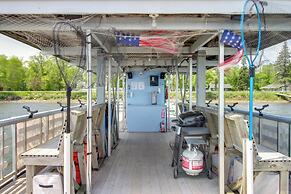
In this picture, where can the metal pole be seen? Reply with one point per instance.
(14, 150)
(201, 79)
(249, 166)
(124, 100)
(89, 113)
(221, 119)
(117, 100)
(177, 86)
(190, 82)
(2, 151)
(101, 78)
(109, 107)
(169, 105)
(68, 148)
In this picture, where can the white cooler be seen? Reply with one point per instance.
(48, 183)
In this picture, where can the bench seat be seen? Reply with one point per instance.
(44, 154)
(269, 160)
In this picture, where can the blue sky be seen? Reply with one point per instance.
(11, 47)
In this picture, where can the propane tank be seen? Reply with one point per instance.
(192, 161)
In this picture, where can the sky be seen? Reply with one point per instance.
(11, 47)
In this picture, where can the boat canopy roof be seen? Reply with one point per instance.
(166, 33)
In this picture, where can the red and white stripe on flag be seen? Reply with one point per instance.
(233, 60)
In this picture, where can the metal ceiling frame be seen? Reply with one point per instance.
(134, 7)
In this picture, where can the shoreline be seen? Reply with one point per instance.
(76, 101)
(55, 96)
(37, 101)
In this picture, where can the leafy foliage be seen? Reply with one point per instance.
(283, 65)
(238, 78)
(40, 73)
(12, 74)
(266, 76)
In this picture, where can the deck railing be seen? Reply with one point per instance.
(18, 134)
(272, 131)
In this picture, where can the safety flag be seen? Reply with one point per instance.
(231, 39)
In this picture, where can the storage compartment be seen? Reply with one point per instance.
(264, 183)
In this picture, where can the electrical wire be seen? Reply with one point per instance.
(251, 61)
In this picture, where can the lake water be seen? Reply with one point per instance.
(12, 109)
(282, 108)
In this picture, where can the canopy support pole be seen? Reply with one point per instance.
(190, 81)
(201, 79)
(100, 78)
(177, 87)
(169, 104)
(124, 100)
(117, 99)
(221, 119)
(68, 148)
(109, 107)
(89, 113)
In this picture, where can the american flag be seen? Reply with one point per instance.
(231, 39)
(156, 42)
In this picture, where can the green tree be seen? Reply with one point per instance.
(283, 66)
(212, 78)
(51, 77)
(266, 76)
(238, 78)
(34, 72)
(3, 71)
(15, 74)
(44, 74)
(12, 74)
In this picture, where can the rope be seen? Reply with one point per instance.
(249, 60)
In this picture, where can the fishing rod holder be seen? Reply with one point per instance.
(208, 103)
(31, 113)
(232, 106)
(261, 109)
(80, 102)
(62, 106)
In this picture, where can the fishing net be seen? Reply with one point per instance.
(37, 31)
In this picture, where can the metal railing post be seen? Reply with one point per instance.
(289, 139)
(2, 152)
(14, 150)
(25, 136)
(41, 130)
(259, 131)
(278, 136)
(48, 129)
(54, 125)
